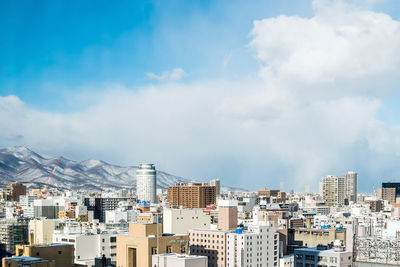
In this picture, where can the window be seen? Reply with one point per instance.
(59, 252)
(169, 249)
(153, 250)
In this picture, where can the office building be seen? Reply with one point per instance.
(332, 190)
(100, 205)
(227, 214)
(179, 260)
(258, 246)
(146, 183)
(351, 186)
(145, 240)
(217, 184)
(192, 195)
(47, 208)
(179, 221)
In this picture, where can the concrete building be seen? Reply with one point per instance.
(258, 246)
(210, 243)
(351, 186)
(287, 261)
(323, 256)
(332, 190)
(41, 230)
(100, 205)
(16, 190)
(47, 208)
(227, 214)
(27, 261)
(62, 254)
(12, 233)
(179, 260)
(217, 184)
(146, 183)
(26, 203)
(390, 191)
(88, 246)
(143, 241)
(192, 195)
(179, 221)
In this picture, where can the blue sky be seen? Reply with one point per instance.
(240, 87)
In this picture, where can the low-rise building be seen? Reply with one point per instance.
(323, 256)
(62, 254)
(179, 260)
(27, 261)
(179, 221)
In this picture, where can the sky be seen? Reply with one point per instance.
(252, 92)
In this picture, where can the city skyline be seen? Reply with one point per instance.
(265, 93)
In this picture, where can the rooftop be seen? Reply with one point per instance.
(27, 259)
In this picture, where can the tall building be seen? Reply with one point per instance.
(390, 191)
(16, 190)
(332, 190)
(12, 233)
(192, 195)
(351, 185)
(227, 214)
(258, 246)
(217, 184)
(146, 183)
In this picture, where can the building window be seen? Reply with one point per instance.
(153, 250)
(169, 249)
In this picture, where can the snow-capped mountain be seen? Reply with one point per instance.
(19, 164)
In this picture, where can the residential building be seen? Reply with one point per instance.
(143, 241)
(332, 190)
(179, 221)
(12, 233)
(390, 191)
(146, 183)
(100, 205)
(351, 186)
(27, 261)
(179, 260)
(192, 195)
(217, 184)
(41, 230)
(16, 190)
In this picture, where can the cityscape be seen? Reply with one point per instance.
(200, 133)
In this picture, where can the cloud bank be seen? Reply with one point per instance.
(311, 110)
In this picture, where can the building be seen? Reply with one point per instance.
(179, 221)
(351, 186)
(227, 214)
(88, 246)
(16, 190)
(41, 230)
(210, 243)
(286, 261)
(258, 246)
(390, 191)
(146, 183)
(323, 256)
(47, 208)
(100, 205)
(332, 190)
(143, 241)
(305, 237)
(62, 254)
(217, 184)
(27, 261)
(179, 260)
(192, 195)
(12, 233)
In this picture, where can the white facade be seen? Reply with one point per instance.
(179, 260)
(179, 221)
(259, 246)
(314, 257)
(146, 180)
(89, 246)
(286, 261)
(42, 230)
(217, 184)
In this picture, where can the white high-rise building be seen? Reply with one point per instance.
(258, 246)
(146, 180)
(217, 184)
(351, 184)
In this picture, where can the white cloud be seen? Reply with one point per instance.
(174, 75)
(310, 111)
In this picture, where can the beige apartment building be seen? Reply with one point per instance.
(192, 195)
(136, 248)
(227, 215)
(332, 190)
(210, 243)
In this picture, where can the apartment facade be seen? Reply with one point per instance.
(192, 195)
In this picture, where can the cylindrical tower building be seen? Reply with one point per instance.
(146, 183)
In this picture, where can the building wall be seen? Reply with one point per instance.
(315, 237)
(210, 243)
(227, 218)
(179, 221)
(62, 254)
(15, 262)
(42, 231)
(193, 195)
(178, 260)
(146, 183)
